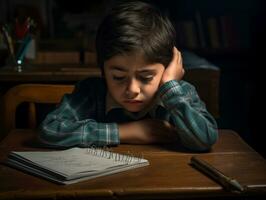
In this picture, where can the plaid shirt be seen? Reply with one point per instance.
(81, 118)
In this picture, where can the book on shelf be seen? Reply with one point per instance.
(228, 32)
(213, 32)
(200, 30)
(187, 34)
(73, 165)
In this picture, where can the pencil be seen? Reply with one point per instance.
(227, 182)
(9, 42)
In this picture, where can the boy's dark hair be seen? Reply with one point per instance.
(135, 27)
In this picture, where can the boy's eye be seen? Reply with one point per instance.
(146, 78)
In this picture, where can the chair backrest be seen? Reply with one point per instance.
(32, 94)
(207, 83)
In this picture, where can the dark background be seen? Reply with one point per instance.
(73, 24)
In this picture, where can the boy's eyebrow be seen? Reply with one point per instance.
(147, 71)
(119, 68)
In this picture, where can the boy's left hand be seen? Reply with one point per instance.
(175, 70)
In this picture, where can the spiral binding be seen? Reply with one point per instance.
(106, 152)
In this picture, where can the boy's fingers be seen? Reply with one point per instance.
(175, 70)
(178, 54)
(177, 61)
(175, 56)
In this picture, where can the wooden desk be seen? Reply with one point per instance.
(49, 73)
(168, 176)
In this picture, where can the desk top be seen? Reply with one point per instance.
(49, 73)
(169, 174)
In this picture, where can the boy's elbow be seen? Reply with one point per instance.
(49, 137)
(44, 135)
(206, 143)
(202, 144)
(213, 136)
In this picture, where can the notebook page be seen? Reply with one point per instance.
(71, 161)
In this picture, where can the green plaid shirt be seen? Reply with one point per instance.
(81, 118)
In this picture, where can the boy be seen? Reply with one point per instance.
(141, 98)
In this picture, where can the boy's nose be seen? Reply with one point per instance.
(133, 89)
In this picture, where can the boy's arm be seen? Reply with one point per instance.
(196, 128)
(192, 124)
(62, 128)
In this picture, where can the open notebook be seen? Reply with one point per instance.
(73, 165)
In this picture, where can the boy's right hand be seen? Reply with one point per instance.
(175, 70)
(147, 131)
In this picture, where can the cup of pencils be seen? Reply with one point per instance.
(20, 42)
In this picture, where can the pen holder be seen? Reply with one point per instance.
(24, 50)
(20, 40)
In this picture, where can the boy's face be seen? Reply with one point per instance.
(131, 81)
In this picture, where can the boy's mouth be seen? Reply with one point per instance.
(133, 101)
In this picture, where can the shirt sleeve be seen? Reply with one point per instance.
(196, 128)
(63, 128)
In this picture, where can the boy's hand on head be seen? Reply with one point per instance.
(175, 70)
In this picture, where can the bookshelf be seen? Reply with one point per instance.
(203, 26)
(213, 26)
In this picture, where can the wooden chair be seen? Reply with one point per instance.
(32, 94)
(207, 83)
